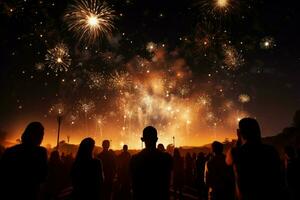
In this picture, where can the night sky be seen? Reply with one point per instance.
(191, 68)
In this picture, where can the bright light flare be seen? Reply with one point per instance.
(92, 20)
(267, 43)
(222, 3)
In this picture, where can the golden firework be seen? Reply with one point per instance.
(232, 58)
(58, 58)
(244, 98)
(90, 20)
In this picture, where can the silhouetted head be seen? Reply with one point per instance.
(296, 119)
(161, 147)
(150, 137)
(217, 147)
(105, 145)
(249, 130)
(85, 150)
(176, 153)
(33, 134)
(125, 148)
(290, 152)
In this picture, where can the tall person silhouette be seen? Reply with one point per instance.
(151, 170)
(258, 166)
(108, 160)
(24, 166)
(123, 174)
(87, 175)
(219, 176)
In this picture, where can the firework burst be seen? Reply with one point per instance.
(267, 43)
(151, 47)
(57, 109)
(204, 100)
(96, 80)
(244, 98)
(232, 58)
(120, 80)
(58, 58)
(217, 7)
(86, 106)
(90, 20)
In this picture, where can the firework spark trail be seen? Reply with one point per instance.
(101, 120)
(86, 107)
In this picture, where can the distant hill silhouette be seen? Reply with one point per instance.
(289, 136)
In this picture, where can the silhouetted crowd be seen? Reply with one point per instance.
(249, 170)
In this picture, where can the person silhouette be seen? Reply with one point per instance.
(24, 166)
(161, 147)
(292, 177)
(200, 169)
(54, 184)
(108, 160)
(150, 170)
(123, 173)
(257, 165)
(86, 173)
(178, 173)
(188, 171)
(296, 120)
(219, 177)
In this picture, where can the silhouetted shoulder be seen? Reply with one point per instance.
(21, 150)
(144, 154)
(268, 148)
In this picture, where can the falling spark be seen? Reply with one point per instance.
(90, 20)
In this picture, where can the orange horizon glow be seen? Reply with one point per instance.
(50, 138)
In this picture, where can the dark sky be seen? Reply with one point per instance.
(269, 76)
